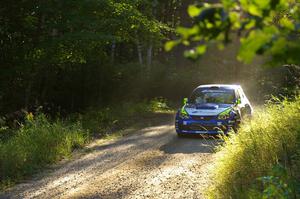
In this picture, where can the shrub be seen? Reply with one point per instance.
(36, 144)
(159, 104)
(39, 142)
(105, 120)
(244, 164)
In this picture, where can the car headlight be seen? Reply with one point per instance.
(224, 115)
(183, 114)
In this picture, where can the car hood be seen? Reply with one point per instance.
(208, 109)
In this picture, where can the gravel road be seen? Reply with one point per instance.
(151, 163)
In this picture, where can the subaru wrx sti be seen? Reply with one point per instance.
(213, 109)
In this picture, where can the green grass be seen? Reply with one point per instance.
(36, 144)
(40, 142)
(106, 121)
(263, 159)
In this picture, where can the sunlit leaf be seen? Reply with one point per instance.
(209, 25)
(284, 4)
(254, 10)
(184, 32)
(221, 37)
(187, 32)
(191, 54)
(251, 44)
(270, 30)
(250, 25)
(263, 4)
(207, 5)
(186, 42)
(201, 49)
(194, 10)
(244, 4)
(287, 23)
(234, 18)
(228, 3)
(221, 46)
(169, 45)
(218, 23)
(278, 45)
(196, 38)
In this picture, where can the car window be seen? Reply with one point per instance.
(220, 96)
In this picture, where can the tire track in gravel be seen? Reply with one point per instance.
(152, 163)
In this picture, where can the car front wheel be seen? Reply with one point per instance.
(180, 135)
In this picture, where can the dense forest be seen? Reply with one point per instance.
(73, 54)
(70, 55)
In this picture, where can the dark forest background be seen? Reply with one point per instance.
(69, 55)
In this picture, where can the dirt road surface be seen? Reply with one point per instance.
(151, 163)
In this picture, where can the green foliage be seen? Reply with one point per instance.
(159, 105)
(264, 27)
(40, 142)
(103, 121)
(276, 185)
(36, 144)
(248, 165)
(65, 52)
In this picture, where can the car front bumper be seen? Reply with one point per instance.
(213, 127)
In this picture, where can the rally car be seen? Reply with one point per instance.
(213, 109)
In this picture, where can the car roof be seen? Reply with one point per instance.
(226, 86)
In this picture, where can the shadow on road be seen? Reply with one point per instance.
(139, 152)
(191, 144)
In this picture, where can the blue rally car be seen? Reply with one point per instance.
(213, 109)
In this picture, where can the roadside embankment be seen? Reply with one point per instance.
(263, 159)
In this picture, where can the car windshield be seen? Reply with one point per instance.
(202, 96)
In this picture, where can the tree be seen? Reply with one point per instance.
(69, 52)
(269, 27)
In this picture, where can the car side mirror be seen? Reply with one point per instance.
(185, 101)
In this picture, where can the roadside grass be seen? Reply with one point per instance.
(36, 144)
(106, 122)
(41, 141)
(263, 159)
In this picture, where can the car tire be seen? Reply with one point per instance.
(246, 113)
(180, 135)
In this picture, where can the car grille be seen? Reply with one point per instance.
(205, 118)
(199, 127)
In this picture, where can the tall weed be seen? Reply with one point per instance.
(101, 121)
(36, 144)
(244, 163)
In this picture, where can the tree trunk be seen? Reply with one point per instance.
(139, 50)
(154, 6)
(113, 50)
(149, 56)
(150, 47)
